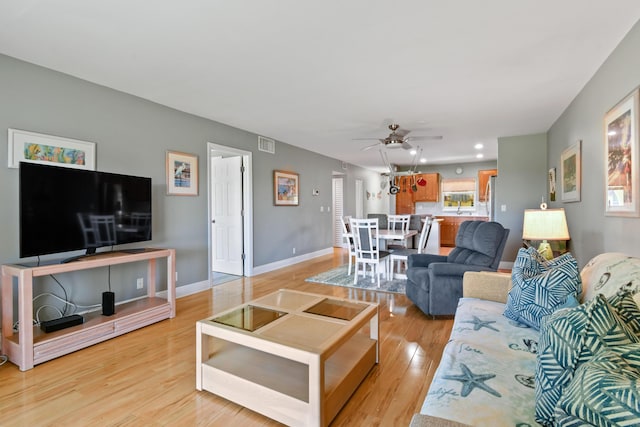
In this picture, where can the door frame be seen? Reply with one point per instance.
(216, 150)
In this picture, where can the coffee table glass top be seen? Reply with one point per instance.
(344, 310)
(249, 317)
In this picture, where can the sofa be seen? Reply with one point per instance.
(496, 371)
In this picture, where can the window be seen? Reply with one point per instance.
(459, 193)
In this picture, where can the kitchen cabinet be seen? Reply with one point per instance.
(431, 191)
(404, 198)
(450, 225)
(483, 179)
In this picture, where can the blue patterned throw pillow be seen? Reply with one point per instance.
(540, 289)
(627, 309)
(604, 390)
(567, 339)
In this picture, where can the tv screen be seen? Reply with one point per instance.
(64, 209)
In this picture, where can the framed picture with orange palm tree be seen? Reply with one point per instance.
(621, 154)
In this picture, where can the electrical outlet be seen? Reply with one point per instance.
(176, 276)
(140, 283)
(294, 251)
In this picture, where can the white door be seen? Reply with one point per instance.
(226, 215)
(338, 240)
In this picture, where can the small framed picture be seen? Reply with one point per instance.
(286, 188)
(182, 174)
(552, 184)
(621, 157)
(570, 173)
(51, 150)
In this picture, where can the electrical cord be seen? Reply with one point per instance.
(66, 297)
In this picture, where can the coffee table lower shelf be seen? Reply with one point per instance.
(282, 388)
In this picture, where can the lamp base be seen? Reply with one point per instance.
(545, 250)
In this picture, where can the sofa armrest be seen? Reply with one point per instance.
(491, 286)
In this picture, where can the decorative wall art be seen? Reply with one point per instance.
(621, 157)
(182, 174)
(570, 173)
(552, 184)
(286, 187)
(51, 150)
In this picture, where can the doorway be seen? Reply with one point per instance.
(230, 211)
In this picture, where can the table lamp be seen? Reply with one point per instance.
(545, 224)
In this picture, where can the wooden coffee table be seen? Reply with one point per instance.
(293, 356)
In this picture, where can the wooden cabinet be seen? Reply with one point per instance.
(483, 179)
(404, 198)
(431, 191)
(449, 227)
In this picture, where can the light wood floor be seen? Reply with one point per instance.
(147, 377)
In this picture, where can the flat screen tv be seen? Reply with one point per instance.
(65, 209)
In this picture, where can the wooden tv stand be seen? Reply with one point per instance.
(30, 346)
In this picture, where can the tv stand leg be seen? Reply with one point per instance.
(25, 319)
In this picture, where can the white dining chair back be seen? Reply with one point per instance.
(398, 222)
(400, 256)
(367, 248)
(424, 233)
(348, 240)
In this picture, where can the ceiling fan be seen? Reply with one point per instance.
(398, 138)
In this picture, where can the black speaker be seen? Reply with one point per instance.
(108, 303)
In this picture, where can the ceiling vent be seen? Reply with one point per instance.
(267, 145)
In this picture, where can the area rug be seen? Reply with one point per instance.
(338, 277)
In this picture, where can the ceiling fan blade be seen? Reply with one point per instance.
(402, 132)
(424, 138)
(406, 145)
(365, 139)
(369, 147)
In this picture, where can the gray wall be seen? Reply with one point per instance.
(132, 136)
(591, 231)
(520, 185)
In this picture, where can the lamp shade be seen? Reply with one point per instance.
(545, 224)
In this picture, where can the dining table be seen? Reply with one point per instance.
(385, 234)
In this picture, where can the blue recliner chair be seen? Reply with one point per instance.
(434, 282)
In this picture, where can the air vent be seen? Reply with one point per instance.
(267, 145)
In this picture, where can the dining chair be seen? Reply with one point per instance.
(348, 239)
(398, 222)
(400, 255)
(366, 242)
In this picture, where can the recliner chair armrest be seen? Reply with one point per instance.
(490, 286)
(453, 269)
(423, 260)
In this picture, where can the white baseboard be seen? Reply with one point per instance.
(290, 261)
(190, 289)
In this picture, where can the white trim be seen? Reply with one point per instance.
(291, 261)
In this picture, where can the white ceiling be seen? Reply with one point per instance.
(319, 74)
